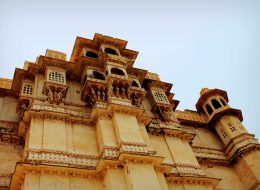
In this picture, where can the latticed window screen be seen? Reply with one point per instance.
(27, 89)
(56, 77)
(232, 128)
(224, 134)
(160, 97)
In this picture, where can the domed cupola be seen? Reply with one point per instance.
(214, 104)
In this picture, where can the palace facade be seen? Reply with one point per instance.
(95, 122)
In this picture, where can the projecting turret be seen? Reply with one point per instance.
(227, 121)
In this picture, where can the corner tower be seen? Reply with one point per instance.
(241, 147)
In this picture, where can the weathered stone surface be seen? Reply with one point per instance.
(96, 122)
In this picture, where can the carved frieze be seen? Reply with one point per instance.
(65, 109)
(109, 152)
(186, 170)
(206, 153)
(62, 158)
(131, 147)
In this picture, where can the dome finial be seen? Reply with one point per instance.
(203, 90)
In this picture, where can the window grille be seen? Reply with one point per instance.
(56, 77)
(224, 134)
(232, 128)
(27, 89)
(160, 97)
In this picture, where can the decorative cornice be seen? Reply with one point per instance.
(180, 169)
(189, 117)
(210, 154)
(62, 158)
(24, 168)
(157, 127)
(193, 180)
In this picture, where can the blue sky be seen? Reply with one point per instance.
(192, 44)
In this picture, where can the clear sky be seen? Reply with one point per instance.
(192, 44)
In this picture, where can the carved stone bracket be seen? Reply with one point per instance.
(94, 91)
(122, 93)
(22, 105)
(55, 92)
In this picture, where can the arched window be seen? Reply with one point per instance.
(215, 104)
(135, 84)
(223, 102)
(56, 77)
(91, 54)
(27, 89)
(117, 71)
(98, 75)
(209, 109)
(110, 51)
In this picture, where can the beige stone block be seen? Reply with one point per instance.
(146, 137)
(114, 179)
(196, 187)
(54, 182)
(228, 176)
(162, 181)
(35, 133)
(9, 155)
(181, 151)
(175, 186)
(54, 135)
(252, 160)
(212, 141)
(84, 140)
(8, 109)
(31, 182)
(106, 133)
(127, 128)
(69, 137)
(39, 82)
(77, 183)
(141, 176)
(162, 149)
(248, 169)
